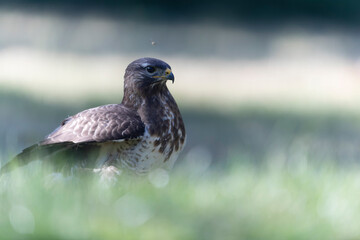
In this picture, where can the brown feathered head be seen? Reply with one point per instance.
(145, 77)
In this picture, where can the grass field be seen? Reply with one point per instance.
(241, 202)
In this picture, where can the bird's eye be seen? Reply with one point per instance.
(150, 69)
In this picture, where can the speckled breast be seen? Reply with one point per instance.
(151, 152)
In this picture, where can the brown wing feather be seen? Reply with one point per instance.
(76, 134)
(100, 124)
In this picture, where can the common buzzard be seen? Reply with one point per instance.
(144, 132)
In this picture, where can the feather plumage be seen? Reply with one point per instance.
(145, 131)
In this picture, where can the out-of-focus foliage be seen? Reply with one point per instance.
(240, 203)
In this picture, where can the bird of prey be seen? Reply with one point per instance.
(144, 132)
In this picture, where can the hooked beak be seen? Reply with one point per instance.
(169, 75)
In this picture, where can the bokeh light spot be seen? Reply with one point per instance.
(22, 219)
(159, 177)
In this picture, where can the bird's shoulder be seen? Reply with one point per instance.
(100, 124)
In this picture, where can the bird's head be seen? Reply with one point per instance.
(146, 73)
(145, 77)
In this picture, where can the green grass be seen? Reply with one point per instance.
(243, 202)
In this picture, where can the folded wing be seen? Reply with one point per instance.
(81, 135)
(100, 124)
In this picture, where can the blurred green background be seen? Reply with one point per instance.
(269, 92)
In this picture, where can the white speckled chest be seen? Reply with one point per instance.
(139, 155)
(145, 156)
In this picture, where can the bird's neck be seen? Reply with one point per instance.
(156, 108)
(152, 105)
(137, 99)
(132, 100)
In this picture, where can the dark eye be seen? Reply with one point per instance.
(150, 69)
